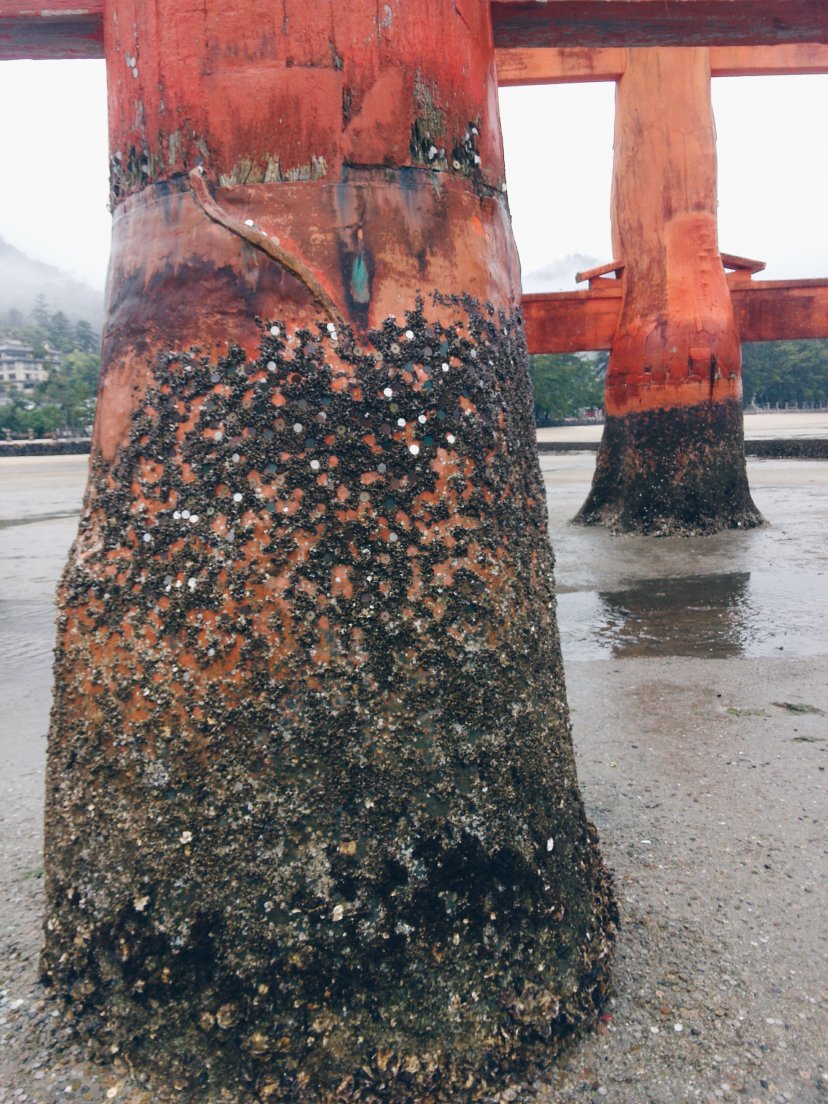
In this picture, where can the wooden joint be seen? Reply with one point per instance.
(598, 277)
(743, 269)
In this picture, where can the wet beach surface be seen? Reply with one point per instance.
(696, 674)
(759, 425)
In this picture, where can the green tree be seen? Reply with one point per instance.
(71, 390)
(60, 332)
(566, 384)
(22, 418)
(40, 313)
(785, 372)
(85, 338)
(36, 331)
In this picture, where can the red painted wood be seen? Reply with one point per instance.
(63, 28)
(766, 310)
(52, 9)
(303, 137)
(50, 31)
(578, 65)
(527, 23)
(781, 310)
(320, 201)
(228, 85)
(529, 65)
(768, 61)
(676, 343)
(571, 321)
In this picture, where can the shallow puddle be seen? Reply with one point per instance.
(32, 519)
(713, 616)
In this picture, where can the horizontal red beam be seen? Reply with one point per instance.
(781, 310)
(527, 23)
(558, 65)
(571, 321)
(57, 40)
(73, 28)
(49, 9)
(52, 31)
(768, 61)
(765, 310)
(561, 65)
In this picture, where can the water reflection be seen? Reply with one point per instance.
(696, 615)
(713, 616)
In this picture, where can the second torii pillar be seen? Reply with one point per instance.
(672, 455)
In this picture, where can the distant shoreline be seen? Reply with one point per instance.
(74, 446)
(794, 434)
(778, 448)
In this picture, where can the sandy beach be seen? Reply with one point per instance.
(696, 677)
(760, 425)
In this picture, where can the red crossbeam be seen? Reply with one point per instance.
(571, 321)
(73, 28)
(51, 31)
(526, 23)
(765, 310)
(781, 310)
(561, 65)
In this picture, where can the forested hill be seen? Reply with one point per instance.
(22, 279)
(786, 373)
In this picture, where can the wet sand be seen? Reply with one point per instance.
(761, 425)
(696, 675)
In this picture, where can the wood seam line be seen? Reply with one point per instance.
(259, 240)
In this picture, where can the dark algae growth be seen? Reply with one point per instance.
(313, 825)
(673, 471)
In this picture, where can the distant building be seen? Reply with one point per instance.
(20, 368)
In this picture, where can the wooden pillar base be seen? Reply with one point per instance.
(672, 472)
(314, 828)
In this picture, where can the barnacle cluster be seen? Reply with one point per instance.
(675, 471)
(313, 826)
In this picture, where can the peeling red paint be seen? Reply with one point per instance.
(34, 31)
(285, 102)
(205, 283)
(676, 313)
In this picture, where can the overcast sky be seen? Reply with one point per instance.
(773, 168)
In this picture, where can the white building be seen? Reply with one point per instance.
(20, 368)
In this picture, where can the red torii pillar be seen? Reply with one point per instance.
(672, 453)
(313, 825)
